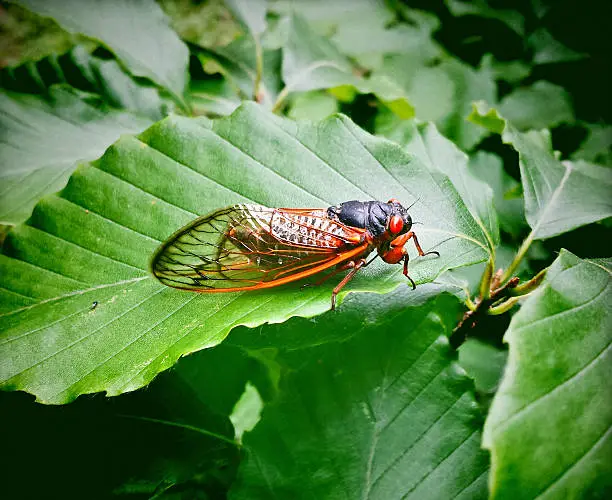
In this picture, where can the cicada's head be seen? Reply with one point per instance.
(390, 219)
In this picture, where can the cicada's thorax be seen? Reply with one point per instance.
(373, 216)
(387, 224)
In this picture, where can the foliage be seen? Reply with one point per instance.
(123, 120)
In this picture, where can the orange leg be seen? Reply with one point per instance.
(418, 246)
(348, 265)
(397, 253)
(356, 266)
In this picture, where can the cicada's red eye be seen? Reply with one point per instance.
(393, 200)
(396, 224)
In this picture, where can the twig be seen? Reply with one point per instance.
(471, 317)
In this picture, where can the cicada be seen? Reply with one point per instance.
(251, 247)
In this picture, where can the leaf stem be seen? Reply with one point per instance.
(259, 67)
(530, 285)
(503, 307)
(518, 257)
(485, 282)
(280, 99)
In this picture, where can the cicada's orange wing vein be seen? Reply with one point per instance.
(245, 247)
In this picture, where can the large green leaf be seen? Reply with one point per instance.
(386, 414)
(92, 243)
(549, 426)
(83, 71)
(558, 197)
(136, 31)
(43, 140)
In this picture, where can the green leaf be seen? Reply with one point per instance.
(311, 62)
(426, 142)
(305, 333)
(511, 18)
(386, 414)
(43, 141)
(442, 93)
(206, 24)
(246, 413)
(252, 13)
(238, 64)
(429, 89)
(164, 441)
(79, 69)
(367, 39)
(28, 37)
(312, 106)
(326, 17)
(542, 105)
(212, 97)
(548, 50)
(597, 147)
(509, 206)
(470, 85)
(558, 197)
(555, 390)
(136, 31)
(91, 244)
(365, 30)
(483, 362)
(512, 71)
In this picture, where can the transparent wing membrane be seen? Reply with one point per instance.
(251, 246)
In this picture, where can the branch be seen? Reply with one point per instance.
(483, 304)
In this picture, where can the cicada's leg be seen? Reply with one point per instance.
(344, 267)
(406, 259)
(397, 253)
(329, 275)
(418, 246)
(354, 265)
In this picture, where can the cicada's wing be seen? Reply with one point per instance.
(250, 246)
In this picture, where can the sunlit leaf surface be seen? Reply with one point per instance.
(80, 311)
(550, 423)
